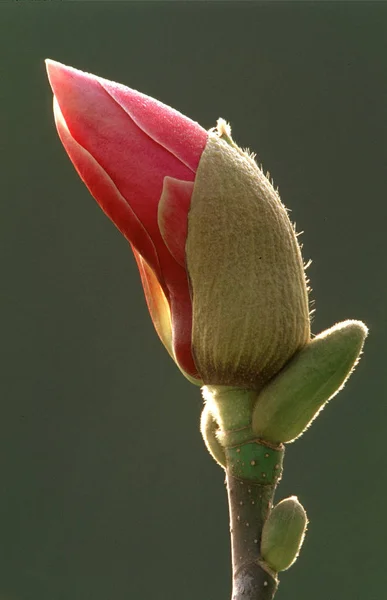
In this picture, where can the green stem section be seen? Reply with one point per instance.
(253, 469)
(251, 482)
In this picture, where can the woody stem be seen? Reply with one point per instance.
(253, 469)
(250, 498)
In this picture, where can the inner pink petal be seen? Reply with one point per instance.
(173, 211)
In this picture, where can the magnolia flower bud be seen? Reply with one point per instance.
(283, 534)
(204, 223)
(249, 294)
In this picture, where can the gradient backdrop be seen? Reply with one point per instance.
(107, 491)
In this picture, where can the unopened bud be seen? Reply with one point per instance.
(283, 534)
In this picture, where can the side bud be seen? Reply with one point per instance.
(290, 402)
(283, 534)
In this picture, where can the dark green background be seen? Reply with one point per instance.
(106, 489)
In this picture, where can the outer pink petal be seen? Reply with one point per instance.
(133, 160)
(112, 202)
(178, 134)
(110, 199)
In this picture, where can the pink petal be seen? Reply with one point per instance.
(102, 187)
(123, 145)
(178, 134)
(133, 160)
(173, 215)
(181, 312)
(156, 301)
(161, 316)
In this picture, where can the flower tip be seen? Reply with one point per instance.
(52, 65)
(54, 69)
(60, 75)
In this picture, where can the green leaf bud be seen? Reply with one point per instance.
(295, 396)
(283, 534)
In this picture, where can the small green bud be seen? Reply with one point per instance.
(292, 399)
(283, 534)
(209, 429)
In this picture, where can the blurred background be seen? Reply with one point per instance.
(106, 488)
